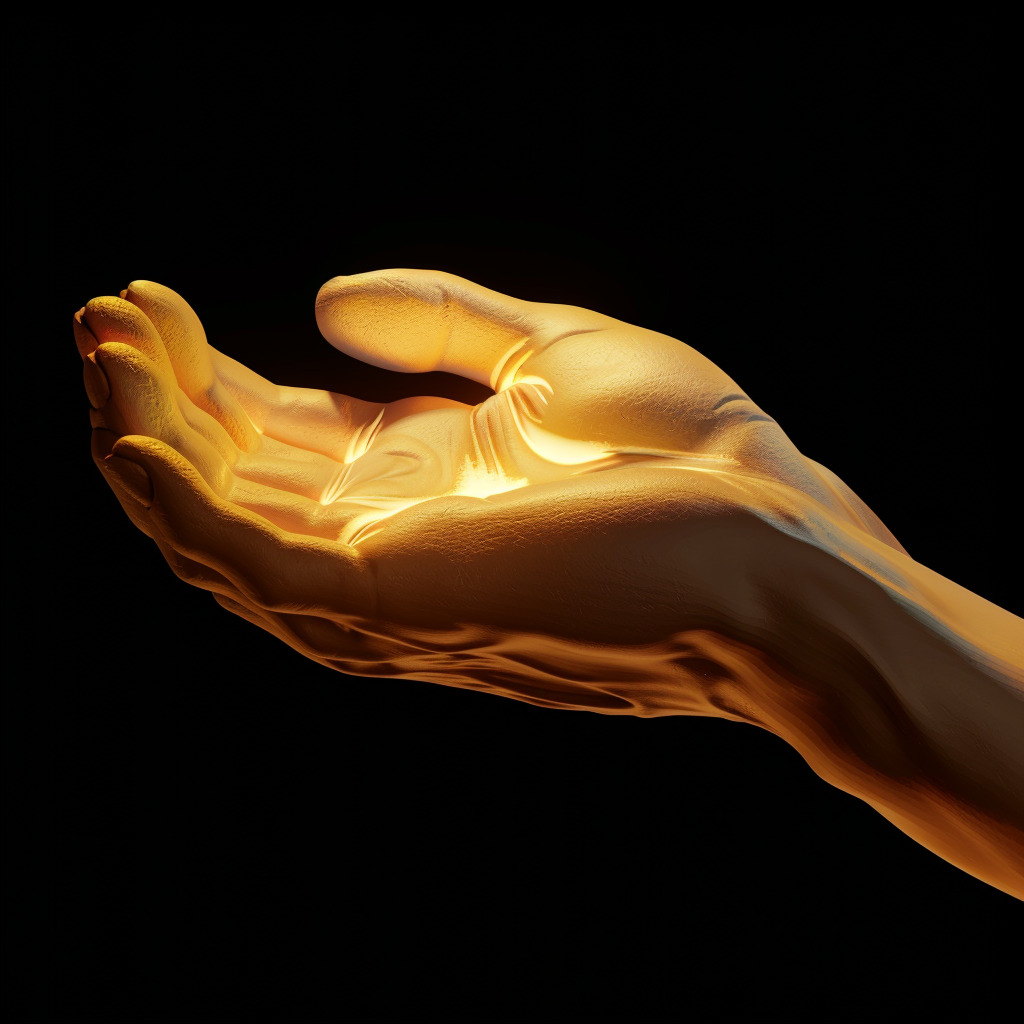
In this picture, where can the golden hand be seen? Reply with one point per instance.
(619, 528)
(595, 425)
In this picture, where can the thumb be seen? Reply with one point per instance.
(420, 320)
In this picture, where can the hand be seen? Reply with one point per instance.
(618, 529)
(503, 546)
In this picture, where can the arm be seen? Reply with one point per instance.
(895, 685)
(618, 529)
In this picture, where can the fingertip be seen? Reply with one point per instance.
(163, 305)
(115, 357)
(331, 288)
(99, 311)
(138, 448)
(97, 386)
(129, 477)
(142, 285)
(108, 351)
(137, 289)
(132, 477)
(118, 357)
(157, 457)
(334, 282)
(181, 333)
(330, 292)
(111, 319)
(102, 442)
(85, 340)
(149, 455)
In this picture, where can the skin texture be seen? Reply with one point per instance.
(618, 529)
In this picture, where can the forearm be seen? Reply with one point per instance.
(660, 599)
(899, 687)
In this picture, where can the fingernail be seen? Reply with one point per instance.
(102, 442)
(84, 338)
(132, 477)
(96, 384)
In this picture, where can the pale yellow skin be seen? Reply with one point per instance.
(618, 529)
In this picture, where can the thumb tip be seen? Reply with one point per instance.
(329, 291)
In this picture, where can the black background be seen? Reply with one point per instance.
(211, 790)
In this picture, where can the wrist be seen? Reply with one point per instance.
(896, 686)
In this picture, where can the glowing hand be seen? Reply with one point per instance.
(619, 529)
(526, 545)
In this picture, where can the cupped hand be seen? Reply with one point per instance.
(594, 507)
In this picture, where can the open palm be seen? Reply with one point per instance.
(617, 529)
(491, 545)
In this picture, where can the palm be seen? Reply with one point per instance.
(330, 466)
